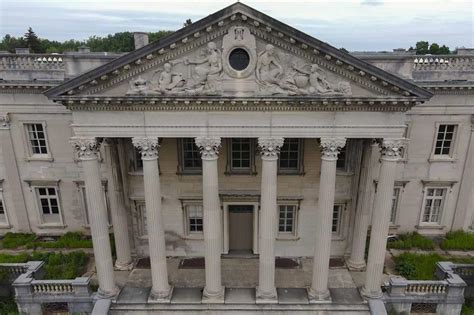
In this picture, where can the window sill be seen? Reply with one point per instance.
(394, 226)
(286, 237)
(430, 227)
(88, 227)
(5, 226)
(187, 173)
(344, 173)
(248, 173)
(442, 159)
(193, 237)
(40, 158)
(295, 173)
(52, 226)
(136, 173)
(337, 237)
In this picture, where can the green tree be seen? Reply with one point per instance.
(422, 47)
(32, 41)
(187, 22)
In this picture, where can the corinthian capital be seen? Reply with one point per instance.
(148, 147)
(331, 146)
(85, 148)
(270, 147)
(4, 121)
(392, 148)
(209, 147)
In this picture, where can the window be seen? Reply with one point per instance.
(336, 218)
(194, 220)
(290, 159)
(137, 162)
(190, 157)
(445, 140)
(86, 208)
(241, 155)
(36, 137)
(48, 202)
(433, 205)
(3, 212)
(395, 202)
(287, 218)
(239, 59)
(141, 219)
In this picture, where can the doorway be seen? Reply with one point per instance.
(240, 227)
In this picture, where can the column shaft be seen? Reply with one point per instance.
(266, 291)
(87, 150)
(118, 210)
(213, 240)
(161, 290)
(370, 159)
(319, 286)
(381, 218)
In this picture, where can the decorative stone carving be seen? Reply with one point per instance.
(148, 147)
(139, 86)
(86, 148)
(209, 147)
(170, 82)
(206, 77)
(331, 146)
(4, 121)
(270, 147)
(239, 37)
(269, 72)
(392, 148)
(314, 82)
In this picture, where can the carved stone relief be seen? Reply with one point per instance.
(238, 67)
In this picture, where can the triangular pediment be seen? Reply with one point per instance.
(242, 53)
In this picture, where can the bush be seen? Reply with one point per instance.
(8, 306)
(15, 240)
(417, 266)
(412, 240)
(68, 240)
(458, 240)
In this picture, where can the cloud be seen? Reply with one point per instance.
(372, 2)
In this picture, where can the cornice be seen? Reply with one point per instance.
(25, 88)
(143, 103)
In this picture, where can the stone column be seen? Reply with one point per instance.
(87, 151)
(17, 214)
(266, 291)
(117, 207)
(370, 158)
(381, 217)
(213, 240)
(160, 290)
(330, 148)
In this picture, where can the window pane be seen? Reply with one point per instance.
(445, 139)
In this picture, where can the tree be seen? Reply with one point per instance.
(32, 41)
(187, 22)
(422, 48)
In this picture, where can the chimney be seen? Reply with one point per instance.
(22, 51)
(83, 50)
(140, 39)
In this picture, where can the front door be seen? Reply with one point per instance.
(241, 227)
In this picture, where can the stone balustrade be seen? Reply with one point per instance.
(433, 287)
(32, 62)
(464, 271)
(443, 62)
(11, 271)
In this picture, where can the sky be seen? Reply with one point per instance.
(357, 25)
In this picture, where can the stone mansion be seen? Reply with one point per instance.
(237, 134)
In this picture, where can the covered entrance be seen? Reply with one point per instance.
(241, 228)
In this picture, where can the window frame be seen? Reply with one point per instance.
(293, 235)
(31, 156)
(251, 170)
(35, 189)
(452, 149)
(342, 206)
(81, 188)
(300, 161)
(187, 233)
(396, 198)
(447, 190)
(182, 170)
(3, 223)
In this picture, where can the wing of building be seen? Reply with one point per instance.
(237, 134)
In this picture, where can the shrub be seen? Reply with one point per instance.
(8, 306)
(418, 266)
(15, 240)
(458, 240)
(68, 240)
(21, 258)
(412, 240)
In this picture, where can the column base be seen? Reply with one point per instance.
(371, 294)
(214, 298)
(124, 266)
(319, 297)
(265, 298)
(355, 266)
(110, 295)
(160, 297)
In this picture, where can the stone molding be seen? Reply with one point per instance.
(270, 147)
(392, 149)
(4, 121)
(331, 146)
(86, 148)
(148, 147)
(209, 147)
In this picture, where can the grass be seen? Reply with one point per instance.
(8, 306)
(412, 240)
(458, 240)
(468, 307)
(15, 240)
(69, 240)
(57, 265)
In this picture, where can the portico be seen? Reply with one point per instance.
(284, 88)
